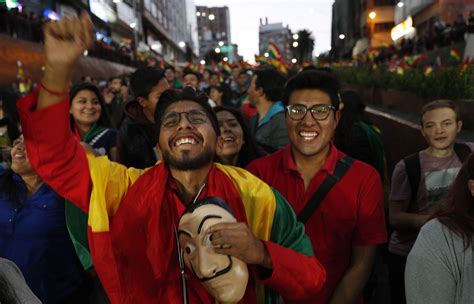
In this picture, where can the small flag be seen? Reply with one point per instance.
(455, 54)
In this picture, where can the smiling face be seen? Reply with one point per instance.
(191, 80)
(231, 139)
(224, 277)
(439, 127)
(85, 108)
(187, 145)
(20, 162)
(310, 137)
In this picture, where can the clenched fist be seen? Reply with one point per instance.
(67, 39)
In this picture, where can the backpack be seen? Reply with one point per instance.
(413, 168)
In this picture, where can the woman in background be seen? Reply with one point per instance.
(89, 121)
(33, 233)
(236, 145)
(440, 267)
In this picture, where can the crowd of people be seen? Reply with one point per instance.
(100, 191)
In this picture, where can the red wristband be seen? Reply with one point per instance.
(54, 93)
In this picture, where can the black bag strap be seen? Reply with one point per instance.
(342, 166)
(413, 170)
(462, 151)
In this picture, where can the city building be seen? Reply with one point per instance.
(214, 35)
(278, 34)
(346, 28)
(168, 27)
(419, 17)
(377, 20)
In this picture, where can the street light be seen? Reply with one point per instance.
(221, 43)
(317, 55)
(400, 4)
(372, 15)
(295, 44)
(133, 25)
(342, 36)
(212, 17)
(225, 59)
(266, 54)
(203, 62)
(294, 60)
(198, 14)
(295, 36)
(182, 44)
(217, 50)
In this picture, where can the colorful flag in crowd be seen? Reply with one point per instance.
(427, 69)
(455, 54)
(464, 65)
(273, 51)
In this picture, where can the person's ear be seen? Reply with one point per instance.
(459, 123)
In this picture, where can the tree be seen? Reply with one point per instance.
(304, 50)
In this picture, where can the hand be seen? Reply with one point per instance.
(67, 39)
(236, 239)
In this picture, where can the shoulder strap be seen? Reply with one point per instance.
(343, 165)
(462, 151)
(413, 170)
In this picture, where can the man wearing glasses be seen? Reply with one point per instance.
(134, 214)
(348, 222)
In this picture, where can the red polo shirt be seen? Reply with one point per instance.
(352, 213)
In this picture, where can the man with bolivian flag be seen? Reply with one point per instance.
(133, 213)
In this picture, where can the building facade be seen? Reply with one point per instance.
(346, 28)
(278, 34)
(213, 25)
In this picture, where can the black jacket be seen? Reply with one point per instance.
(137, 138)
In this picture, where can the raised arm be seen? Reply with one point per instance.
(65, 42)
(54, 154)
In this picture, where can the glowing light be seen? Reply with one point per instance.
(342, 36)
(372, 15)
(400, 4)
(294, 60)
(295, 36)
(266, 54)
(212, 17)
(221, 43)
(295, 44)
(225, 59)
(203, 62)
(182, 44)
(217, 50)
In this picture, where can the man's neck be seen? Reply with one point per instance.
(263, 105)
(308, 166)
(440, 152)
(190, 182)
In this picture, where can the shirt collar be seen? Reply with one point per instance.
(328, 166)
(276, 108)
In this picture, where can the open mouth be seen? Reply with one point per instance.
(185, 140)
(229, 139)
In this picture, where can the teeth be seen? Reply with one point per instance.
(228, 139)
(308, 135)
(185, 140)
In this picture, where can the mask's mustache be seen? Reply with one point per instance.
(219, 273)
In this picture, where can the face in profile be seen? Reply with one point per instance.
(224, 277)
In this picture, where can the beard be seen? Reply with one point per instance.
(185, 162)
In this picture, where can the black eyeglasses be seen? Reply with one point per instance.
(172, 119)
(319, 111)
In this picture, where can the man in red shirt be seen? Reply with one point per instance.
(349, 223)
